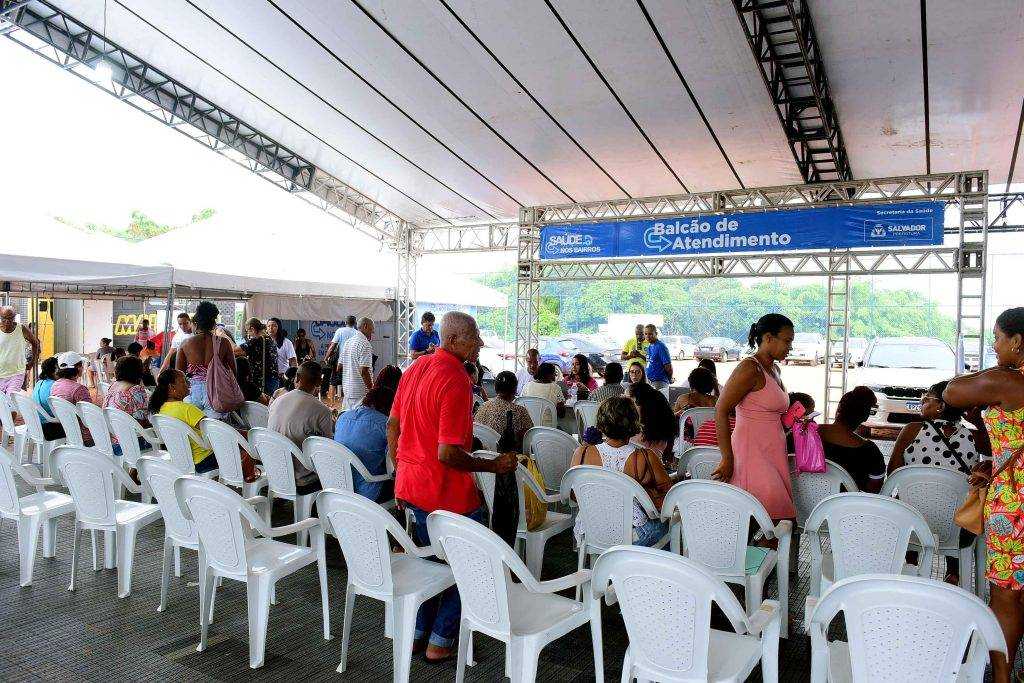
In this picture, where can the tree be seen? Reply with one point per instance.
(140, 227)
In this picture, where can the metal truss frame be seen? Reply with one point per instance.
(527, 285)
(474, 237)
(405, 296)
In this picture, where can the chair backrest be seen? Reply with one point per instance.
(67, 414)
(127, 429)
(217, 512)
(485, 481)
(30, 411)
(488, 437)
(869, 534)
(542, 411)
(696, 417)
(810, 488)
(903, 628)
(606, 500)
(332, 462)
(586, 416)
(178, 437)
(700, 461)
(666, 607)
(715, 523)
(276, 451)
(89, 476)
(160, 476)
(936, 493)
(552, 449)
(9, 498)
(255, 414)
(226, 444)
(104, 388)
(7, 414)
(477, 402)
(96, 420)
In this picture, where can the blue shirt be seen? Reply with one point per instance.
(364, 431)
(41, 395)
(420, 340)
(657, 358)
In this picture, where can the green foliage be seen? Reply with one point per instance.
(720, 307)
(141, 227)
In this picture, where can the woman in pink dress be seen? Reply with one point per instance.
(754, 452)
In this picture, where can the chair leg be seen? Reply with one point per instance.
(303, 508)
(346, 625)
(165, 573)
(109, 550)
(177, 562)
(206, 588)
(50, 537)
(74, 553)
(627, 667)
(20, 450)
(125, 558)
(95, 556)
(405, 629)
(257, 592)
(465, 641)
(581, 560)
(321, 565)
(535, 544)
(524, 655)
(28, 540)
(595, 639)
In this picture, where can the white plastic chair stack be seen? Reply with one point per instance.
(227, 444)
(333, 464)
(936, 493)
(39, 509)
(488, 437)
(552, 450)
(699, 462)
(90, 477)
(67, 414)
(711, 525)
(696, 417)
(236, 543)
(276, 451)
(525, 616)
(542, 411)
(30, 411)
(666, 605)
(255, 414)
(12, 432)
(402, 581)
(178, 438)
(902, 628)
(586, 416)
(532, 543)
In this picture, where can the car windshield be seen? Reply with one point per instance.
(806, 338)
(913, 355)
(717, 341)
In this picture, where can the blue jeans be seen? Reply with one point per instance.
(441, 613)
(651, 532)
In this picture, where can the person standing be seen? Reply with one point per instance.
(634, 352)
(356, 362)
(17, 343)
(305, 349)
(143, 334)
(424, 340)
(195, 354)
(262, 354)
(105, 349)
(430, 432)
(286, 357)
(1001, 391)
(754, 452)
(183, 333)
(659, 359)
(333, 356)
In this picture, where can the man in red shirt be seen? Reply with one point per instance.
(430, 434)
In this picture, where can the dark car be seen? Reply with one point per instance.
(560, 351)
(717, 349)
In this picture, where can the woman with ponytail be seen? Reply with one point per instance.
(172, 386)
(754, 452)
(193, 358)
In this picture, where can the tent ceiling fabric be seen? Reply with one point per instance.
(467, 109)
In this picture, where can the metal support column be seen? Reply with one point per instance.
(527, 285)
(971, 268)
(837, 330)
(166, 347)
(405, 294)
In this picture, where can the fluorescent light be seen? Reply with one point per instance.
(102, 73)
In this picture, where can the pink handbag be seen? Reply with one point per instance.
(810, 454)
(222, 390)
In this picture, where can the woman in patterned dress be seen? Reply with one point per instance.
(1001, 389)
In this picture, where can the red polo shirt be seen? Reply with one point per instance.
(434, 406)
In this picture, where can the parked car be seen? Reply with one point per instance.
(497, 354)
(560, 350)
(808, 347)
(855, 348)
(717, 349)
(899, 370)
(680, 346)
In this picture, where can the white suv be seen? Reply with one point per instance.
(808, 347)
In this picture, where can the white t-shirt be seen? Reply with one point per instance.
(551, 391)
(342, 335)
(523, 377)
(285, 352)
(179, 339)
(355, 355)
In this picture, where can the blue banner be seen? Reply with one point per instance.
(834, 227)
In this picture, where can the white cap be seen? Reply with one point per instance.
(69, 359)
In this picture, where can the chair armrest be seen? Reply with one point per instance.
(257, 500)
(379, 477)
(127, 481)
(274, 532)
(562, 583)
(809, 606)
(768, 612)
(149, 434)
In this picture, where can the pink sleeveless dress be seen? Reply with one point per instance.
(760, 464)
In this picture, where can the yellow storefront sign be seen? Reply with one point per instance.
(128, 323)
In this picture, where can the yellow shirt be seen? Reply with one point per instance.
(630, 347)
(190, 415)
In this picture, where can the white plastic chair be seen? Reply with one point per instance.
(96, 422)
(488, 437)
(333, 464)
(235, 542)
(936, 493)
(127, 430)
(227, 444)
(276, 451)
(542, 411)
(552, 449)
(531, 544)
(39, 509)
(34, 438)
(586, 416)
(67, 414)
(711, 525)
(402, 581)
(868, 534)
(696, 417)
(178, 438)
(809, 489)
(15, 433)
(525, 616)
(104, 388)
(666, 603)
(700, 462)
(902, 628)
(90, 477)
(255, 414)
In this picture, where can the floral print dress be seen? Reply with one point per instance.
(1004, 514)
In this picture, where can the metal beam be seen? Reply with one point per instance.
(781, 36)
(496, 236)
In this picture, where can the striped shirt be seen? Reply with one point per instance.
(706, 434)
(355, 355)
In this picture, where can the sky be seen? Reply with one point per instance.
(72, 150)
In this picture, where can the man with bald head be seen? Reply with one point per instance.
(430, 436)
(298, 414)
(356, 361)
(15, 340)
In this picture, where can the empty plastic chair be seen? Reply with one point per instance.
(586, 416)
(552, 450)
(255, 414)
(67, 414)
(334, 462)
(525, 616)
(700, 462)
(96, 422)
(227, 445)
(90, 477)
(127, 430)
(529, 543)
(711, 525)
(666, 603)
(488, 437)
(30, 513)
(236, 543)
(178, 438)
(902, 628)
(542, 411)
(30, 413)
(12, 432)
(809, 489)
(276, 451)
(402, 581)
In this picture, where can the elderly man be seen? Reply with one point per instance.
(634, 352)
(298, 414)
(356, 361)
(525, 374)
(659, 360)
(15, 341)
(430, 433)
